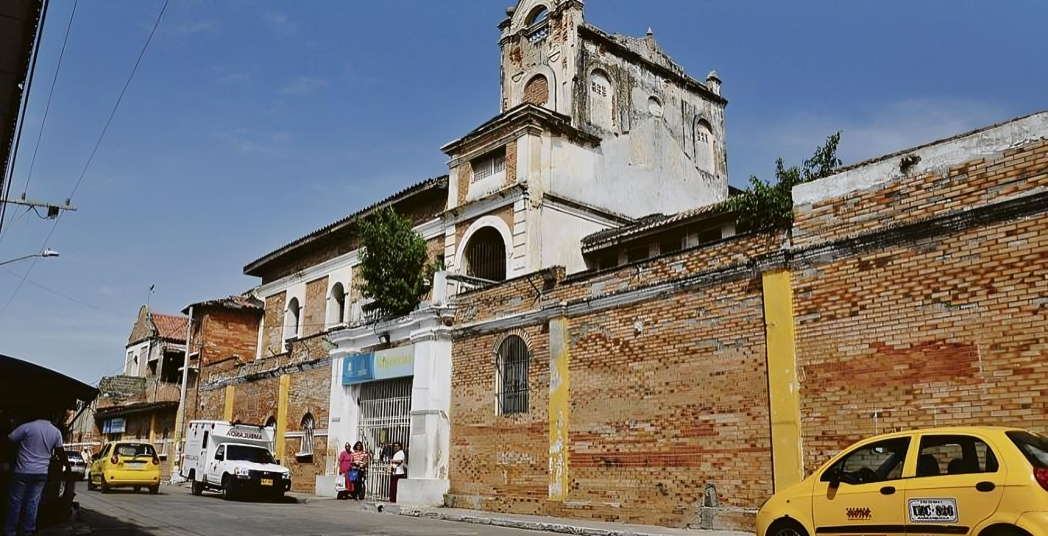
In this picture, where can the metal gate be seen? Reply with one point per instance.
(385, 418)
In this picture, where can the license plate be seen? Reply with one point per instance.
(136, 465)
(933, 510)
(266, 482)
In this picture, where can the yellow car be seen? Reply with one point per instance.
(981, 481)
(128, 464)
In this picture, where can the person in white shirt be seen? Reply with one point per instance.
(399, 468)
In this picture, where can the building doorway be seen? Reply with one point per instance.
(385, 418)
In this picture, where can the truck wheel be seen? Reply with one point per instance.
(197, 488)
(228, 488)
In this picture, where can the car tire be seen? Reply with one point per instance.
(90, 484)
(138, 489)
(154, 490)
(786, 527)
(104, 486)
(196, 488)
(228, 488)
(1006, 531)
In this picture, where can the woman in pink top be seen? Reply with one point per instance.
(360, 459)
(345, 463)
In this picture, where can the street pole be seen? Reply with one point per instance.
(180, 417)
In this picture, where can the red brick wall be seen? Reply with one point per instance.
(503, 456)
(273, 325)
(945, 330)
(314, 309)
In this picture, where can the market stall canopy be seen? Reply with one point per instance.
(27, 385)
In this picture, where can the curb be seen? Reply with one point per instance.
(560, 528)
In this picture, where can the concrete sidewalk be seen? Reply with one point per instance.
(549, 524)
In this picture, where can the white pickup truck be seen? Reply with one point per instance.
(234, 458)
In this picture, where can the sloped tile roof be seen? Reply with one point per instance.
(170, 328)
(648, 223)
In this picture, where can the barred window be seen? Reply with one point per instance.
(485, 255)
(513, 362)
(308, 427)
(489, 165)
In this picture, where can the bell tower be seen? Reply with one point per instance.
(539, 40)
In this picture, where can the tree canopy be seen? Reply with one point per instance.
(394, 264)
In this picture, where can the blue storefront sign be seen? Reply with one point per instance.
(357, 368)
(113, 426)
(381, 365)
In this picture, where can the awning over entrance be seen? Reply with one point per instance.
(24, 385)
(131, 409)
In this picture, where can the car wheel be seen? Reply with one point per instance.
(154, 490)
(104, 486)
(1006, 531)
(138, 489)
(196, 488)
(786, 527)
(90, 482)
(228, 488)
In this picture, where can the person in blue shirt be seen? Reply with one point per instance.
(36, 441)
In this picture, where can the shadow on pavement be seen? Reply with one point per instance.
(85, 522)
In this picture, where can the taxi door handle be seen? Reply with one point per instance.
(985, 486)
(888, 490)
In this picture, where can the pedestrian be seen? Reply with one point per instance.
(399, 468)
(36, 441)
(345, 464)
(361, 461)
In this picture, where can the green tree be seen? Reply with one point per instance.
(394, 264)
(765, 207)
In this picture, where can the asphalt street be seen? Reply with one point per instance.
(175, 512)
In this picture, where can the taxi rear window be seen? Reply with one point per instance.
(1034, 447)
(134, 449)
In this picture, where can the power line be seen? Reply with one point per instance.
(62, 295)
(5, 188)
(47, 107)
(93, 151)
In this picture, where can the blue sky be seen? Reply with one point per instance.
(249, 124)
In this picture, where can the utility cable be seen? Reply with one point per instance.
(93, 151)
(5, 188)
(47, 107)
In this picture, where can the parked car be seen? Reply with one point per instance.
(970, 480)
(127, 464)
(78, 466)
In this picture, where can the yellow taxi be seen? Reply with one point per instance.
(128, 464)
(982, 481)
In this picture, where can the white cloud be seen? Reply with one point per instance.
(303, 84)
(280, 22)
(208, 26)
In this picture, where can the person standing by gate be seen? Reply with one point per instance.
(361, 459)
(399, 468)
(36, 441)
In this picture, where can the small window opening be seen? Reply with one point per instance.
(338, 305)
(489, 165)
(291, 319)
(537, 15)
(308, 428)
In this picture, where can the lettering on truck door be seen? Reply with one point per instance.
(214, 474)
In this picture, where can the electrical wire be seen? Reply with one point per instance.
(5, 188)
(47, 107)
(62, 295)
(93, 151)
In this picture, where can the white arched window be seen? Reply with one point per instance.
(292, 319)
(337, 305)
(537, 15)
(308, 429)
(601, 99)
(514, 359)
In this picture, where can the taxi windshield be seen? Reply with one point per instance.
(249, 454)
(1034, 447)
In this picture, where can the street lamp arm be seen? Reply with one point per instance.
(45, 253)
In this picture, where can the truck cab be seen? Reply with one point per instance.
(235, 458)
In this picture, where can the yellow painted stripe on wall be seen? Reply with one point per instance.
(282, 399)
(783, 387)
(559, 408)
(227, 412)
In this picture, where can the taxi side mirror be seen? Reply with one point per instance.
(835, 477)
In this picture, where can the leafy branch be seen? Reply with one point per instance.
(766, 207)
(394, 264)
